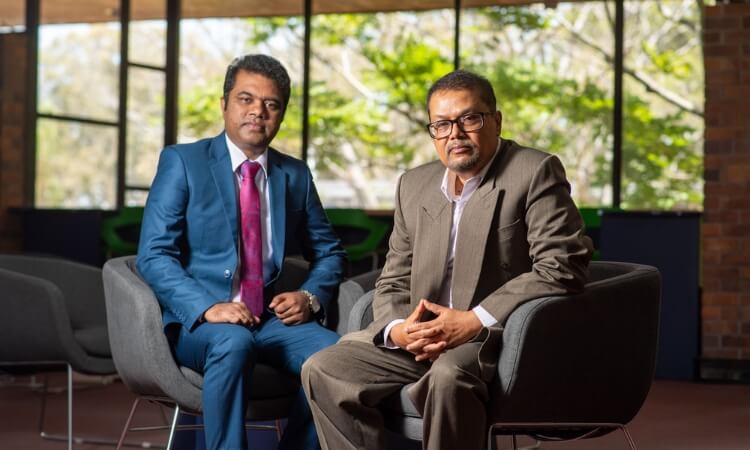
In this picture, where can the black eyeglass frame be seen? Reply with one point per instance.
(459, 122)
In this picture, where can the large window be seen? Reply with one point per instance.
(555, 91)
(209, 45)
(663, 109)
(77, 104)
(551, 63)
(369, 78)
(146, 109)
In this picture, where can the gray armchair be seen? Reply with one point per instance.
(570, 367)
(53, 316)
(145, 363)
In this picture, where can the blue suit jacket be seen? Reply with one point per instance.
(188, 250)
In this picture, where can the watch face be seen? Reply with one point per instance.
(314, 305)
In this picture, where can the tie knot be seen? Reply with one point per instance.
(249, 169)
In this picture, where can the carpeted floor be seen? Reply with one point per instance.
(676, 416)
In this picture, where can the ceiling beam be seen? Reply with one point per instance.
(12, 12)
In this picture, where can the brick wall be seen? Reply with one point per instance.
(12, 114)
(726, 227)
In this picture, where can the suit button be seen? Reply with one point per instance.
(505, 265)
(227, 273)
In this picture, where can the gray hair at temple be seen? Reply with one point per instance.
(264, 65)
(464, 80)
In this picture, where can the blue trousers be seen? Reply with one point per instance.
(226, 354)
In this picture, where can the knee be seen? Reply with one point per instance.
(232, 348)
(309, 370)
(324, 340)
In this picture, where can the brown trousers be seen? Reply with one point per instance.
(345, 383)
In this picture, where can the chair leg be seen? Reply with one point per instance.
(278, 430)
(42, 414)
(173, 426)
(70, 438)
(629, 438)
(127, 423)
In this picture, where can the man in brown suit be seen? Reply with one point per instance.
(489, 226)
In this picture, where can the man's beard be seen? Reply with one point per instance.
(464, 163)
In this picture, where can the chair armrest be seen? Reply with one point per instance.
(564, 357)
(361, 314)
(337, 317)
(367, 280)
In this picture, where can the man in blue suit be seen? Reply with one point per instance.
(195, 252)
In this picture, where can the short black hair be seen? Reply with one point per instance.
(264, 65)
(465, 80)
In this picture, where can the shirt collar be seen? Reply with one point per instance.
(448, 185)
(238, 157)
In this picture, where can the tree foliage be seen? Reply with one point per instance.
(551, 69)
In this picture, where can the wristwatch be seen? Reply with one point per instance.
(312, 302)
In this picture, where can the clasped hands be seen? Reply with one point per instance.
(290, 307)
(427, 340)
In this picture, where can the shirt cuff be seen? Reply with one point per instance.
(387, 342)
(486, 318)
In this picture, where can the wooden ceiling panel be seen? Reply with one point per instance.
(85, 11)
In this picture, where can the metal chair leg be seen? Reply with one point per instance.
(278, 429)
(127, 423)
(70, 438)
(629, 438)
(173, 426)
(43, 434)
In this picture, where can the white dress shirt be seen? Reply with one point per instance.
(261, 181)
(458, 203)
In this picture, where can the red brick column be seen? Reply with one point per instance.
(726, 228)
(13, 87)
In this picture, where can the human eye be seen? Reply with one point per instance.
(272, 105)
(245, 99)
(442, 126)
(470, 119)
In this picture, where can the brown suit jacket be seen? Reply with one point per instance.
(521, 237)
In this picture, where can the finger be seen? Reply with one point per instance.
(432, 307)
(418, 311)
(421, 326)
(276, 301)
(435, 347)
(417, 346)
(292, 320)
(289, 312)
(429, 333)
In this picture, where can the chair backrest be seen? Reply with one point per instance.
(585, 357)
(80, 284)
(139, 346)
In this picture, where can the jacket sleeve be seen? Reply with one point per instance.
(558, 248)
(393, 288)
(323, 249)
(160, 256)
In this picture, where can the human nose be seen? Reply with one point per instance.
(456, 130)
(257, 109)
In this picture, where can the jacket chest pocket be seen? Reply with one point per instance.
(512, 246)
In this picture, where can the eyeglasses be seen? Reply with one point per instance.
(466, 123)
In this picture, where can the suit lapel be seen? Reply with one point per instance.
(435, 227)
(471, 239)
(221, 170)
(277, 194)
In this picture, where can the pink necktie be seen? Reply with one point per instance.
(251, 281)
